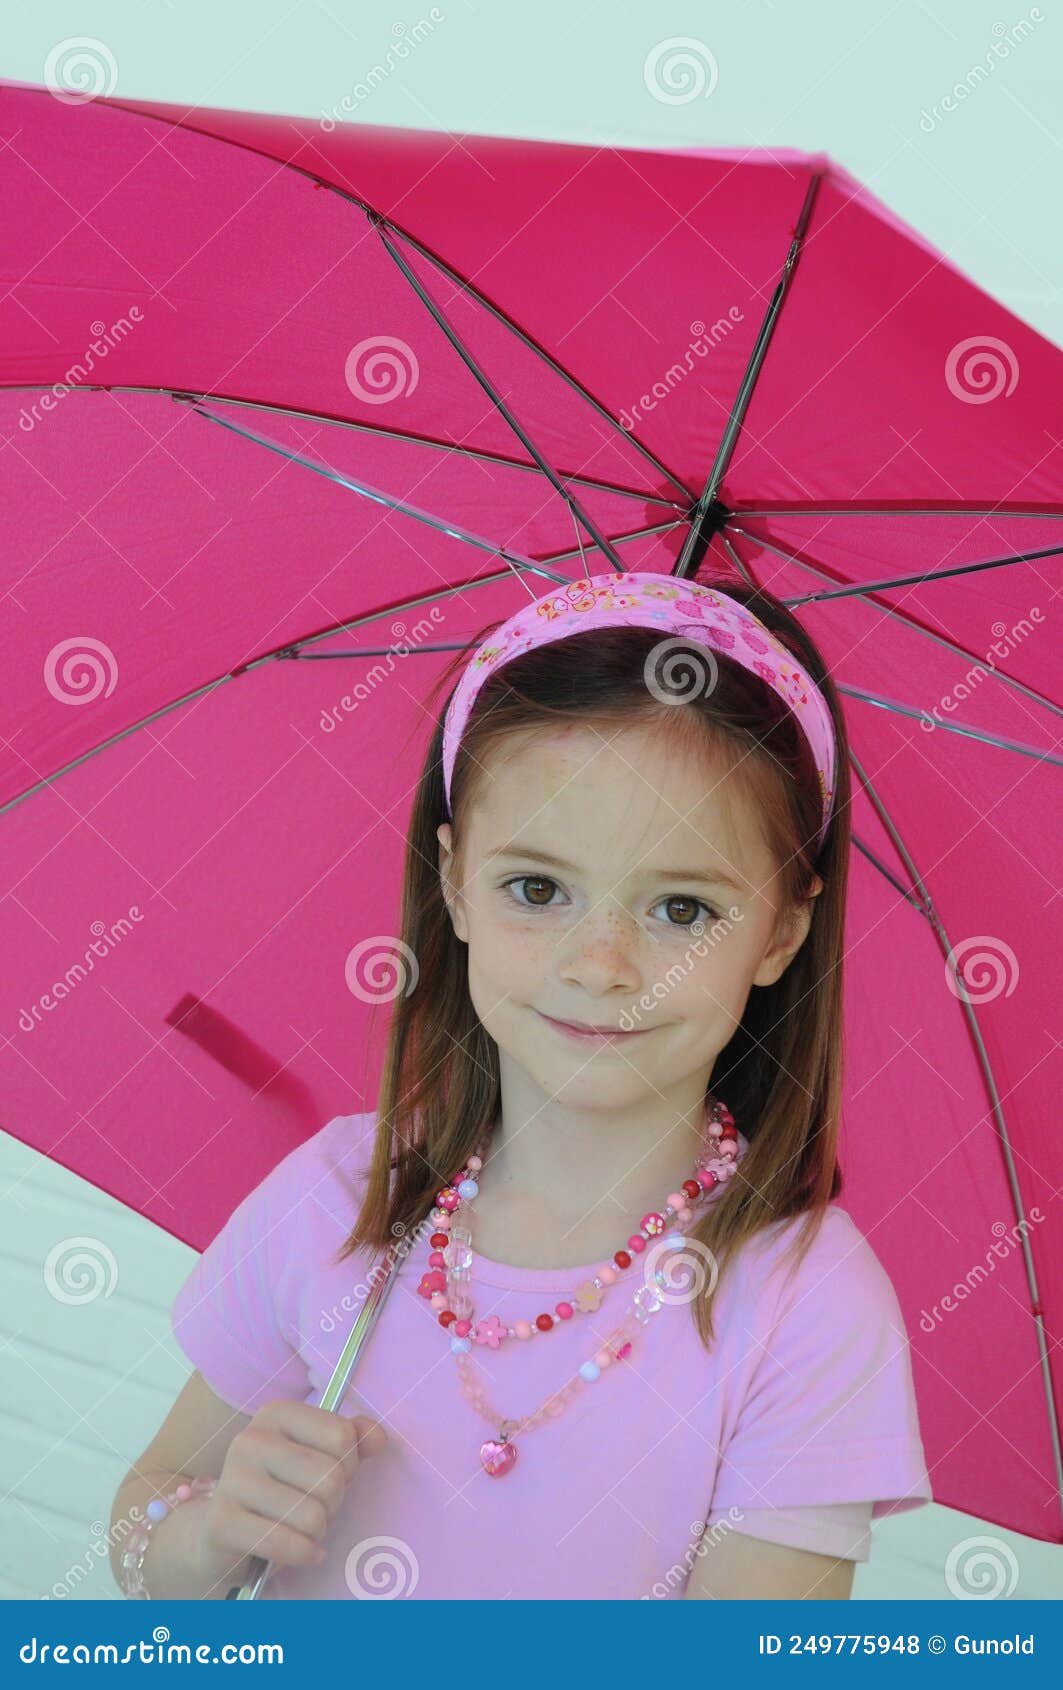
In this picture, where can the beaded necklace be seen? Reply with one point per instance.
(445, 1284)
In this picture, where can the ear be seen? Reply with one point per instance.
(452, 897)
(790, 933)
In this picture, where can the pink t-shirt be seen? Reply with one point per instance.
(799, 1425)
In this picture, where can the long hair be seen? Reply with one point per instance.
(780, 1072)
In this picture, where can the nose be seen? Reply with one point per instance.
(600, 955)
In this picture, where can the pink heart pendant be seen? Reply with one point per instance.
(497, 1457)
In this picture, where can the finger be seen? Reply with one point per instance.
(270, 1499)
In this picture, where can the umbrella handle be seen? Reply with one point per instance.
(382, 1279)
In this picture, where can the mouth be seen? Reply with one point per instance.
(594, 1035)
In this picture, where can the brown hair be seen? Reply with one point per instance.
(781, 1071)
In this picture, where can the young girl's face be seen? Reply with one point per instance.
(617, 880)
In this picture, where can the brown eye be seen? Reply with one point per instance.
(539, 883)
(691, 905)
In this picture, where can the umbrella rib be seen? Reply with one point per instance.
(952, 727)
(281, 652)
(371, 493)
(856, 509)
(433, 258)
(492, 392)
(618, 540)
(928, 575)
(909, 621)
(998, 1113)
(540, 352)
(895, 881)
(408, 438)
(697, 540)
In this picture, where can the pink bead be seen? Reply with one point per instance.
(653, 1223)
(474, 1164)
(448, 1199)
(462, 1328)
(440, 1221)
(676, 1200)
(603, 1358)
(437, 1259)
(522, 1328)
(607, 1274)
(183, 1493)
(438, 1300)
(563, 1311)
(637, 1243)
(706, 1179)
(684, 1216)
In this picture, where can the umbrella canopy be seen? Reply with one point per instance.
(291, 407)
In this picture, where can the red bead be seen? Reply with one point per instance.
(543, 1322)
(622, 1259)
(690, 1186)
(447, 1317)
(439, 1240)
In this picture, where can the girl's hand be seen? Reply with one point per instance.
(282, 1483)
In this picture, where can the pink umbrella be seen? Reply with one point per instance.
(276, 392)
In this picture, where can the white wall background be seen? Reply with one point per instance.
(947, 109)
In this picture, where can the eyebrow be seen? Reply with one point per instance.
(715, 876)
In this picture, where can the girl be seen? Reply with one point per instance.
(637, 1350)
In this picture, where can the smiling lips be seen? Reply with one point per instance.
(594, 1035)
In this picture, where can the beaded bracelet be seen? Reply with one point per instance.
(131, 1571)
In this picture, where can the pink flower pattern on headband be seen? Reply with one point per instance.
(684, 609)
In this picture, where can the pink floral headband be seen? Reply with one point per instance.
(680, 609)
